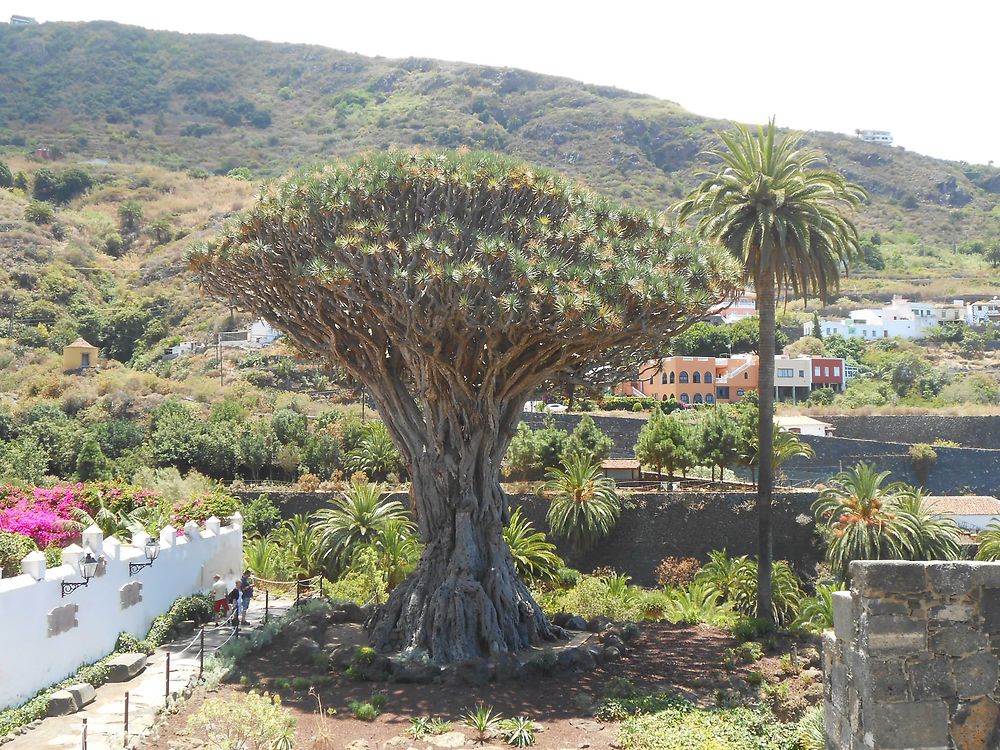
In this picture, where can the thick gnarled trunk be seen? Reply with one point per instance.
(464, 600)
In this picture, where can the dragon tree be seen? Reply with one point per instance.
(453, 286)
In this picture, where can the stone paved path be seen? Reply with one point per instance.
(146, 694)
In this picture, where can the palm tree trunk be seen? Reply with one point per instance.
(766, 300)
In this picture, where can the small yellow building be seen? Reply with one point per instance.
(79, 355)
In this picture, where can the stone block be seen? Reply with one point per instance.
(62, 703)
(186, 627)
(930, 677)
(958, 611)
(976, 725)
(957, 639)
(886, 607)
(62, 619)
(899, 726)
(976, 674)
(950, 579)
(83, 692)
(894, 635)
(843, 615)
(125, 666)
(985, 574)
(130, 594)
(991, 609)
(876, 578)
(887, 680)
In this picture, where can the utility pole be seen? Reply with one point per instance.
(219, 348)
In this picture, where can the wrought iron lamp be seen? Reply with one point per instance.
(88, 568)
(152, 550)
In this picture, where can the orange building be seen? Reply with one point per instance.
(695, 380)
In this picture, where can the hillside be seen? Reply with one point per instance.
(151, 116)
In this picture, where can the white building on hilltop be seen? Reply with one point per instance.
(875, 136)
(258, 334)
(984, 312)
(901, 318)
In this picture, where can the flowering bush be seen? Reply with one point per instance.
(201, 507)
(42, 514)
(118, 497)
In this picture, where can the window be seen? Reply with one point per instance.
(85, 359)
(885, 334)
(696, 378)
(723, 391)
(802, 373)
(684, 398)
(785, 372)
(740, 391)
(672, 378)
(663, 379)
(836, 372)
(746, 376)
(826, 372)
(697, 398)
(708, 377)
(709, 399)
(816, 371)
(683, 377)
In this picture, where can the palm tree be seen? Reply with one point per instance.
(929, 535)
(989, 542)
(355, 520)
(301, 545)
(120, 523)
(398, 549)
(781, 215)
(376, 455)
(585, 505)
(785, 445)
(535, 557)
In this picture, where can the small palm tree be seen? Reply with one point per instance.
(121, 524)
(266, 558)
(929, 535)
(989, 542)
(786, 445)
(376, 455)
(355, 520)
(535, 557)
(302, 546)
(860, 519)
(585, 505)
(398, 548)
(779, 211)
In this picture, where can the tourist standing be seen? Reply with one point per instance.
(220, 597)
(246, 585)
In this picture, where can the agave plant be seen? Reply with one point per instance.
(695, 604)
(585, 505)
(989, 542)
(734, 580)
(809, 732)
(519, 732)
(376, 455)
(535, 558)
(357, 519)
(482, 719)
(816, 612)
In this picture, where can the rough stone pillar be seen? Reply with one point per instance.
(913, 661)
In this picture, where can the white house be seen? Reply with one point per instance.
(802, 425)
(263, 333)
(875, 136)
(970, 512)
(983, 312)
(901, 318)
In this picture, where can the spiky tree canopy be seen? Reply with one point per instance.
(469, 272)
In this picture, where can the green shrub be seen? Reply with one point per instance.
(809, 732)
(246, 721)
(755, 678)
(300, 683)
(364, 711)
(39, 212)
(13, 548)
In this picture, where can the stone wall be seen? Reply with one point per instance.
(912, 661)
(969, 432)
(655, 525)
(956, 471)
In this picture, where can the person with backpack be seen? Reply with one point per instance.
(246, 584)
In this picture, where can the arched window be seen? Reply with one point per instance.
(697, 398)
(746, 376)
(663, 379)
(696, 378)
(684, 376)
(684, 398)
(708, 377)
(672, 378)
(709, 399)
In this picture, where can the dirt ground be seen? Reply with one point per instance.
(689, 659)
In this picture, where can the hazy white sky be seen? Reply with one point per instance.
(925, 71)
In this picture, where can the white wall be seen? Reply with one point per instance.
(31, 659)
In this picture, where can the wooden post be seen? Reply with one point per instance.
(83, 736)
(201, 654)
(125, 741)
(166, 689)
(298, 588)
(267, 605)
(321, 587)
